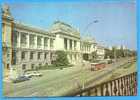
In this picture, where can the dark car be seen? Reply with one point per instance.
(20, 79)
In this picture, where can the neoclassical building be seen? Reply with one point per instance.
(26, 47)
(68, 39)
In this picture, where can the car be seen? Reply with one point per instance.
(29, 75)
(35, 73)
(20, 79)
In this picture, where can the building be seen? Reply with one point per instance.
(100, 52)
(26, 47)
(67, 39)
(88, 45)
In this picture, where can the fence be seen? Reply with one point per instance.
(122, 86)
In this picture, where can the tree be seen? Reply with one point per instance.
(122, 52)
(107, 53)
(94, 55)
(86, 57)
(61, 58)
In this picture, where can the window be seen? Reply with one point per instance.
(70, 44)
(23, 38)
(8, 66)
(23, 66)
(32, 40)
(65, 43)
(51, 43)
(45, 56)
(23, 55)
(39, 55)
(8, 55)
(75, 44)
(32, 66)
(15, 36)
(13, 57)
(75, 56)
(46, 42)
(39, 41)
(31, 55)
(70, 56)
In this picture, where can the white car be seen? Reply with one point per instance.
(35, 73)
(27, 74)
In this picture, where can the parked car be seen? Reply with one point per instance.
(28, 74)
(20, 79)
(35, 73)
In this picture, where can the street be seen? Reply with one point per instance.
(57, 82)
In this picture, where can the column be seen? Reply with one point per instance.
(48, 44)
(19, 39)
(72, 44)
(42, 42)
(76, 45)
(27, 40)
(35, 41)
(28, 56)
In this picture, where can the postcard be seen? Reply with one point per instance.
(69, 49)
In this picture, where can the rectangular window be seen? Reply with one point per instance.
(15, 37)
(31, 55)
(75, 44)
(13, 57)
(39, 55)
(65, 43)
(45, 56)
(75, 56)
(39, 41)
(8, 66)
(46, 42)
(70, 56)
(32, 66)
(70, 44)
(32, 40)
(23, 55)
(51, 43)
(23, 38)
(23, 66)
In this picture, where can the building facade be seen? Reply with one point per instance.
(88, 45)
(26, 47)
(68, 40)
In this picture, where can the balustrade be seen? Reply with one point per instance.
(123, 86)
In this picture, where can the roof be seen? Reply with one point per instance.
(31, 28)
(64, 28)
(88, 39)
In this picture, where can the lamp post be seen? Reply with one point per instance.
(86, 28)
(89, 24)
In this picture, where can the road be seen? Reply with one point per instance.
(56, 82)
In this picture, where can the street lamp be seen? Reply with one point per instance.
(89, 24)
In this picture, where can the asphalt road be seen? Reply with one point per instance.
(57, 82)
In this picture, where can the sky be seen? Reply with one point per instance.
(115, 21)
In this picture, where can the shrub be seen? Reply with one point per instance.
(61, 59)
